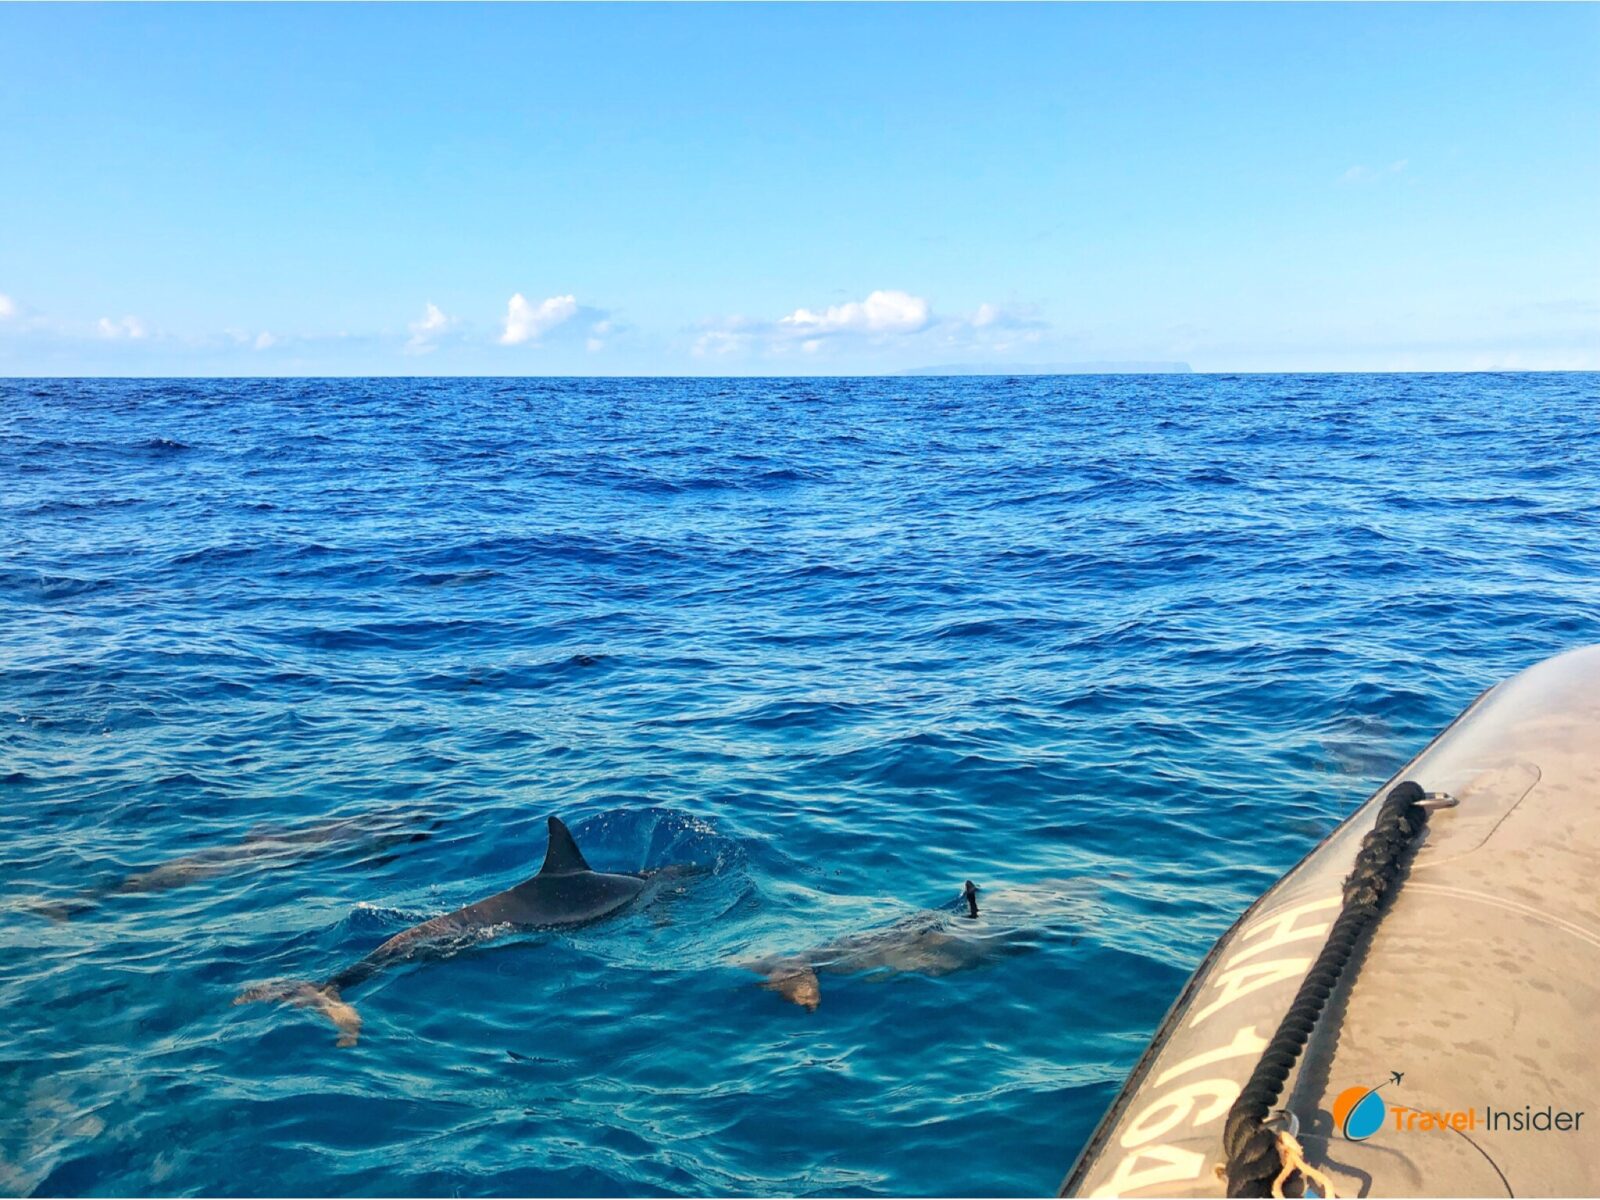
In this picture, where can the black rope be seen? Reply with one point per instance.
(1253, 1161)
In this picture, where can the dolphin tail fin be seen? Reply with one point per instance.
(59, 911)
(324, 998)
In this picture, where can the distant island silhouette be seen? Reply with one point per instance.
(1077, 368)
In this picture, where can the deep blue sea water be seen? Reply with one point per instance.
(1124, 645)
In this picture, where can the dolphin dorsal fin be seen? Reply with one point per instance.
(563, 857)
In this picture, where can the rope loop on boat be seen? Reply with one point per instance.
(1254, 1160)
(1294, 1160)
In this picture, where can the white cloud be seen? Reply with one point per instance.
(527, 323)
(999, 322)
(8, 306)
(885, 315)
(128, 327)
(880, 312)
(717, 343)
(428, 329)
(891, 322)
(265, 341)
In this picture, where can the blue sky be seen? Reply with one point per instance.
(785, 189)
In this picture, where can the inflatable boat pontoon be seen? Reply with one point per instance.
(1457, 1050)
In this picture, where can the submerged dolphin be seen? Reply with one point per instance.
(261, 846)
(566, 891)
(936, 942)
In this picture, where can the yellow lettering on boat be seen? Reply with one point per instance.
(1166, 1165)
(1203, 1101)
(1284, 927)
(1241, 981)
(1246, 1041)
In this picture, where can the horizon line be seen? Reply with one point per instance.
(848, 375)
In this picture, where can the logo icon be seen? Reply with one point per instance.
(1359, 1112)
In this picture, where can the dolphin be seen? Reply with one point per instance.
(567, 891)
(261, 845)
(937, 941)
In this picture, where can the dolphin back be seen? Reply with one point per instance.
(566, 891)
(546, 900)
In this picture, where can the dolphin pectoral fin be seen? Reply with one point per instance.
(342, 1013)
(793, 978)
(796, 984)
(325, 999)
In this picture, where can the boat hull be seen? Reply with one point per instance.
(1480, 985)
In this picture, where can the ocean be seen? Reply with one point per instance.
(1118, 649)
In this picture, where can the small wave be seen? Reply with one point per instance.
(452, 578)
(795, 716)
(1213, 475)
(215, 555)
(181, 779)
(60, 506)
(370, 917)
(1010, 630)
(783, 475)
(39, 586)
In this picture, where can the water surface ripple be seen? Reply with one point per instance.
(1128, 644)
